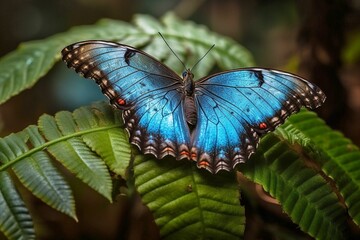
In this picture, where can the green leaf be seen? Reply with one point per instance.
(189, 203)
(66, 131)
(303, 193)
(40, 176)
(110, 145)
(74, 139)
(113, 144)
(340, 159)
(21, 68)
(15, 220)
(36, 171)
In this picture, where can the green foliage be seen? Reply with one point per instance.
(338, 159)
(310, 169)
(282, 169)
(351, 53)
(15, 220)
(77, 141)
(188, 203)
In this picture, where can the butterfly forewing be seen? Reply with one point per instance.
(144, 88)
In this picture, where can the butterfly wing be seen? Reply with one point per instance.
(235, 108)
(144, 88)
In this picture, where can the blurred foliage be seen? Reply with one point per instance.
(351, 53)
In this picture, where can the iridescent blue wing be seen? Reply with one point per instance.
(144, 88)
(235, 108)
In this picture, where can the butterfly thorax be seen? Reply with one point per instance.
(188, 81)
(189, 108)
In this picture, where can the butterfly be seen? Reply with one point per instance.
(216, 121)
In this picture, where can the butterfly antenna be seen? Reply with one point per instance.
(203, 56)
(172, 50)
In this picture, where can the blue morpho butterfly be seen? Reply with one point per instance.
(216, 121)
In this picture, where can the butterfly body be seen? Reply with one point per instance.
(216, 121)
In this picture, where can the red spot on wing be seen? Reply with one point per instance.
(203, 164)
(263, 126)
(121, 101)
(186, 153)
(193, 156)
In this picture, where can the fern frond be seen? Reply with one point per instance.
(15, 220)
(298, 179)
(188, 203)
(341, 162)
(75, 140)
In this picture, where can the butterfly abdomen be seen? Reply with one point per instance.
(190, 111)
(189, 103)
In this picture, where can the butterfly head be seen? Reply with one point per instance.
(187, 74)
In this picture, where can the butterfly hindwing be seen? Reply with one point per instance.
(236, 107)
(143, 87)
(157, 125)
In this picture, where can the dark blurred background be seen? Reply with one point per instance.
(319, 40)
